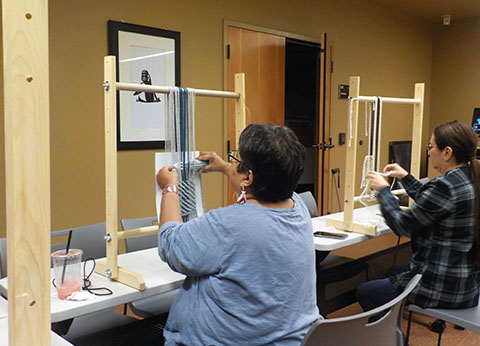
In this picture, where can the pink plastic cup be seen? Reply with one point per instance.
(68, 275)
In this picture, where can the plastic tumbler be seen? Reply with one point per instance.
(68, 274)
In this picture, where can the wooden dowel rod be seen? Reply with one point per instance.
(400, 100)
(394, 192)
(138, 232)
(164, 90)
(365, 98)
(389, 99)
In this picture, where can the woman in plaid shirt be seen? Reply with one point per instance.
(442, 224)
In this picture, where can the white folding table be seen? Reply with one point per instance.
(158, 277)
(56, 340)
(366, 214)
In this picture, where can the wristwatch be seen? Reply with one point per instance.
(170, 188)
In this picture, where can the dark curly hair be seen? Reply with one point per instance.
(275, 157)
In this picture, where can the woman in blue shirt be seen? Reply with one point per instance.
(250, 266)
(442, 224)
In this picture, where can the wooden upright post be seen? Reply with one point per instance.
(350, 169)
(111, 195)
(27, 169)
(417, 127)
(109, 267)
(240, 108)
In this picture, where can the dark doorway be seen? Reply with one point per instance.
(302, 74)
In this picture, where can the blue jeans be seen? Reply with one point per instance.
(375, 293)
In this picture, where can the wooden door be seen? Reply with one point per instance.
(261, 57)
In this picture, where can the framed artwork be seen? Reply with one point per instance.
(144, 55)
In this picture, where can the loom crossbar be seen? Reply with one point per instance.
(109, 267)
(389, 99)
(394, 192)
(166, 90)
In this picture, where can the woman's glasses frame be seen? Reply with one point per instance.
(430, 147)
(232, 156)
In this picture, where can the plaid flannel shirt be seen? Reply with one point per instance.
(440, 224)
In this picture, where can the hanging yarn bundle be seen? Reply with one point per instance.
(372, 159)
(180, 141)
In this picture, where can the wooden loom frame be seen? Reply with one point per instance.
(109, 267)
(347, 223)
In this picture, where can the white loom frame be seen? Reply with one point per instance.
(348, 224)
(109, 267)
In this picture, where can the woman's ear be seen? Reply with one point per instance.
(248, 179)
(448, 153)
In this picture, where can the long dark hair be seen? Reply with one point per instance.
(463, 141)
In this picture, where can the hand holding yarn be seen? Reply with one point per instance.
(395, 171)
(215, 162)
(377, 181)
(167, 175)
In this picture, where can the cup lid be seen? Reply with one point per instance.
(63, 254)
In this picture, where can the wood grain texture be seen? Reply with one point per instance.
(351, 158)
(417, 128)
(111, 186)
(240, 106)
(261, 57)
(27, 165)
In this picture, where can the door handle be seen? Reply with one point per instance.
(324, 145)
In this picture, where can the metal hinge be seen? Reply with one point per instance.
(331, 66)
(228, 51)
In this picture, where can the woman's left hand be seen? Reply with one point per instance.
(377, 182)
(167, 176)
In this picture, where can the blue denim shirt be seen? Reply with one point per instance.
(250, 276)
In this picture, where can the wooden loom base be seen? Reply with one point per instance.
(357, 227)
(125, 276)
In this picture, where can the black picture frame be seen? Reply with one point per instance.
(143, 55)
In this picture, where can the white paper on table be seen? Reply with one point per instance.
(166, 159)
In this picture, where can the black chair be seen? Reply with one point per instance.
(337, 276)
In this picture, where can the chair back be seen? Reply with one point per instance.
(3, 257)
(139, 243)
(356, 329)
(310, 202)
(88, 238)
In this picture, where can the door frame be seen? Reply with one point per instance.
(229, 23)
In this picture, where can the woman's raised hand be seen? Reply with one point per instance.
(376, 181)
(395, 171)
(167, 176)
(215, 162)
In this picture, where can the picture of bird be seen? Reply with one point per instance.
(149, 97)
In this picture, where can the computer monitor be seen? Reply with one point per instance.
(476, 120)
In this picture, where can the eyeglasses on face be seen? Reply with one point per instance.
(233, 156)
(430, 147)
